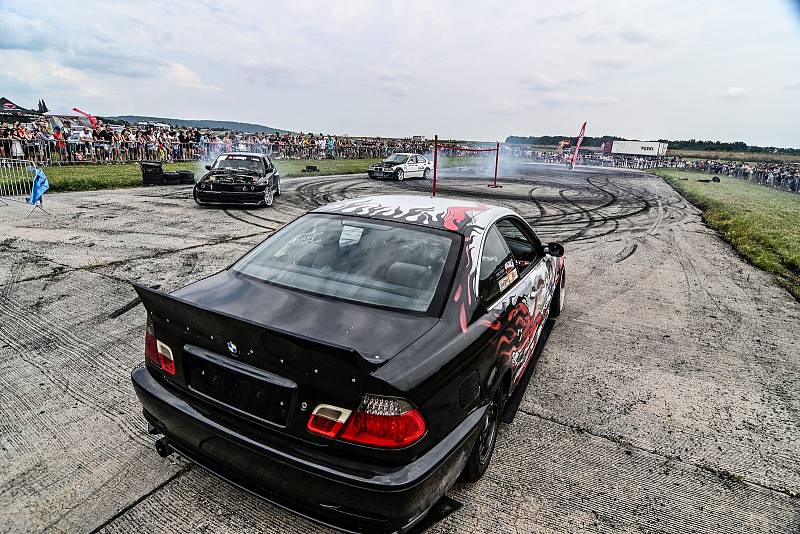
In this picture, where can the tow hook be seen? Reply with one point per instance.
(163, 447)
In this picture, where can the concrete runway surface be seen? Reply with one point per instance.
(666, 399)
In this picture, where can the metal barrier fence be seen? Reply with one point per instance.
(61, 152)
(17, 182)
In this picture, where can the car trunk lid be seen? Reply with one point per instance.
(271, 354)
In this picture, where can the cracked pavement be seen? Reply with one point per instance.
(665, 400)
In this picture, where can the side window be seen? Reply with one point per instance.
(413, 159)
(525, 246)
(497, 270)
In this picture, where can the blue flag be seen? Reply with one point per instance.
(40, 185)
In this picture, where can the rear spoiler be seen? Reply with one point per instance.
(197, 319)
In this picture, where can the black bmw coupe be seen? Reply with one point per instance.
(354, 364)
(241, 178)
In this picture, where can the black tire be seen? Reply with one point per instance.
(194, 195)
(269, 197)
(153, 181)
(481, 453)
(187, 177)
(427, 174)
(400, 174)
(557, 304)
(277, 187)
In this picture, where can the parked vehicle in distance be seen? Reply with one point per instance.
(242, 178)
(400, 166)
(355, 363)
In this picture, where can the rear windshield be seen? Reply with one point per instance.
(378, 263)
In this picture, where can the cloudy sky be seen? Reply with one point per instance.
(718, 69)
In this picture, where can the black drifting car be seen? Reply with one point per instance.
(242, 178)
(354, 364)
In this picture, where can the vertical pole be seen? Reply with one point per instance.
(435, 160)
(496, 161)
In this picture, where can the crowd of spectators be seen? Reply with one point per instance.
(43, 143)
(595, 159)
(780, 175)
(77, 143)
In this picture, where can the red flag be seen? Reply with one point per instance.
(578, 145)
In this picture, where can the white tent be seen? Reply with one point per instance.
(67, 113)
(60, 115)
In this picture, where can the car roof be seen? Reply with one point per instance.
(454, 214)
(253, 154)
(405, 154)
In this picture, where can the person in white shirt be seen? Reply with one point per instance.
(86, 140)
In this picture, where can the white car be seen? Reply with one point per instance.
(401, 166)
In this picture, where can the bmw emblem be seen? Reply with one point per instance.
(233, 349)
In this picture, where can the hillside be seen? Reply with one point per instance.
(188, 123)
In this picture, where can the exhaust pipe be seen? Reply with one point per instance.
(163, 447)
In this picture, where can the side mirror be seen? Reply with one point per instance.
(208, 167)
(554, 249)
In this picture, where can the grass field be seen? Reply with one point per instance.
(762, 224)
(90, 177)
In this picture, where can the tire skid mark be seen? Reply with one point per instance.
(50, 347)
(252, 223)
(626, 253)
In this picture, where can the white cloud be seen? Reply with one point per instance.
(735, 93)
(558, 17)
(560, 98)
(180, 75)
(273, 73)
(591, 37)
(394, 85)
(540, 82)
(343, 67)
(22, 33)
(634, 36)
(613, 63)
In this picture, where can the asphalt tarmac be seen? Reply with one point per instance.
(665, 400)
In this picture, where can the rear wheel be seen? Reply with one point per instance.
(400, 175)
(427, 174)
(277, 187)
(481, 453)
(557, 304)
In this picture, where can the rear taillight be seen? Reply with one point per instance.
(165, 355)
(156, 352)
(150, 350)
(385, 422)
(327, 420)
